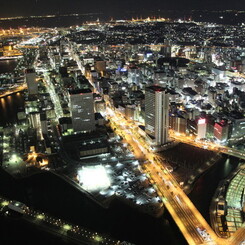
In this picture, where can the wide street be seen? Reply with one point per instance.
(189, 220)
(207, 145)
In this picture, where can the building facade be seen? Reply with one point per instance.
(157, 114)
(82, 110)
(30, 78)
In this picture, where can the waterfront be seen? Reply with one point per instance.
(205, 186)
(128, 224)
(9, 107)
(139, 45)
(201, 195)
(77, 19)
(159, 230)
(53, 195)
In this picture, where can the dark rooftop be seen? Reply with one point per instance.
(156, 88)
(30, 70)
(80, 91)
(65, 120)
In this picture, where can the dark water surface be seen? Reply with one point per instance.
(206, 185)
(51, 194)
(9, 107)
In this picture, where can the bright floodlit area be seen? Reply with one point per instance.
(93, 178)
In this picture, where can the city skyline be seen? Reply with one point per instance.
(123, 131)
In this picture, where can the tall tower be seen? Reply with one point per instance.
(166, 49)
(82, 110)
(157, 114)
(30, 77)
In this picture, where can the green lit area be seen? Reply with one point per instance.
(15, 160)
(68, 132)
(67, 227)
(40, 216)
(4, 203)
(32, 106)
(98, 238)
(6, 145)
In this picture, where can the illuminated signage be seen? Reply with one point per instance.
(202, 121)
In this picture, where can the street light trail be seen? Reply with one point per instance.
(194, 227)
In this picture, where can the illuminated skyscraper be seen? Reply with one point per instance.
(157, 114)
(221, 131)
(30, 78)
(201, 128)
(166, 49)
(82, 110)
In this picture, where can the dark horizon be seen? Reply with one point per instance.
(27, 8)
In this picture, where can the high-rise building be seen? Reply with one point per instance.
(202, 128)
(82, 110)
(166, 49)
(157, 114)
(238, 127)
(178, 124)
(221, 130)
(32, 85)
(192, 127)
(34, 119)
(44, 124)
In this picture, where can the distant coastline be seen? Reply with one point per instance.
(226, 17)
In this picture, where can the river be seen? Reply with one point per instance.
(201, 194)
(206, 185)
(9, 107)
(163, 231)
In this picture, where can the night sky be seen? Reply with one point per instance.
(43, 7)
